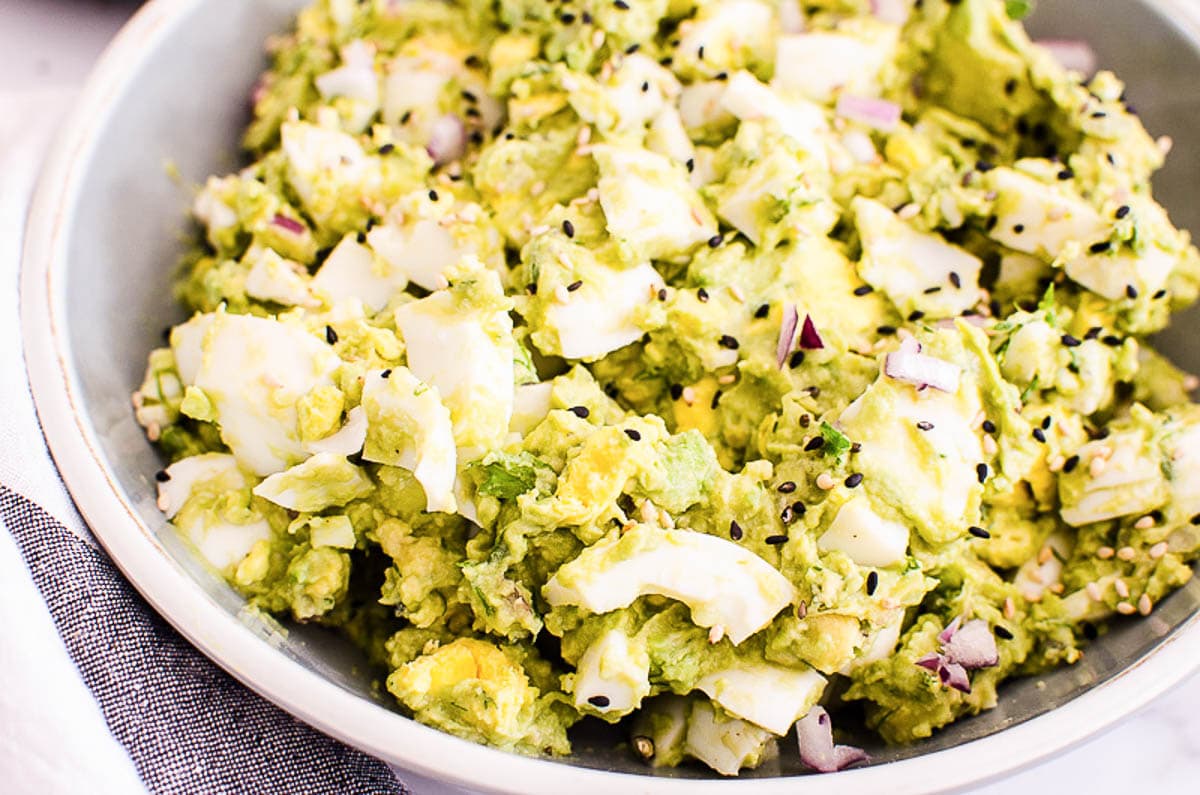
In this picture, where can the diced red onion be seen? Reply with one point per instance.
(814, 735)
(921, 370)
(965, 647)
(894, 11)
(876, 113)
(810, 340)
(955, 675)
(1072, 54)
(972, 646)
(787, 333)
(447, 139)
(289, 224)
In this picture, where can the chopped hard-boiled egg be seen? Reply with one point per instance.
(767, 695)
(724, 584)
(600, 316)
(864, 536)
(725, 744)
(323, 481)
(353, 271)
(273, 278)
(613, 675)
(253, 370)
(409, 427)
(820, 64)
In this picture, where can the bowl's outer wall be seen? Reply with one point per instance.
(129, 228)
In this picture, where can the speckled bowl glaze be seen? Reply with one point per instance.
(105, 231)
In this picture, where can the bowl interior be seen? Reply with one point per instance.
(185, 106)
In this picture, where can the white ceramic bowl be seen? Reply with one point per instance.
(105, 231)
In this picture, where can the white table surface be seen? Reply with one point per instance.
(52, 44)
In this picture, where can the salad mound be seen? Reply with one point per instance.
(694, 365)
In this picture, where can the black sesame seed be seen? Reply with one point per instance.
(1046, 422)
(1131, 292)
(855, 447)
(729, 342)
(586, 19)
(716, 399)
(799, 509)
(676, 391)
(937, 288)
(885, 331)
(981, 472)
(700, 53)
(735, 531)
(581, 412)
(854, 480)
(1092, 333)
(433, 195)
(1018, 228)
(775, 540)
(405, 117)
(1003, 633)
(1196, 519)
(1100, 248)
(632, 48)
(568, 228)
(1122, 211)
(330, 335)
(645, 86)
(1039, 434)
(715, 241)
(691, 165)
(632, 434)
(531, 288)
(162, 476)
(361, 237)
(979, 532)
(989, 426)
(762, 311)
(991, 222)
(955, 280)
(984, 166)
(662, 293)
(1089, 631)
(925, 425)
(1111, 340)
(567, 19)
(385, 373)
(621, 4)
(1159, 295)
(786, 515)
(815, 443)
(814, 391)
(865, 289)
(787, 487)
(1010, 86)
(915, 315)
(1070, 464)
(598, 701)
(575, 285)
(702, 295)
(1066, 174)
(387, 149)
(721, 76)
(1099, 114)
(872, 583)
(796, 360)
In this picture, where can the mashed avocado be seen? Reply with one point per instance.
(684, 364)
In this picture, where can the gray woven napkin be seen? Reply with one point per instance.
(188, 726)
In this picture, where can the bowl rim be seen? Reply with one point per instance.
(340, 713)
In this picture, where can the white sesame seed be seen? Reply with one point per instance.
(138, 400)
(1158, 550)
(716, 633)
(1191, 382)
(1145, 523)
(909, 211)
(665, 519)
(648, 512)
(163, 503)
(727, 379)
(1096, 467)
(561, 294)
(1056, 463)
(737, 293)
(1010, 607)
(689, 395)
(1121, 588)
(1044, 555)
(1126, 553)
(585, 135)
(1145, 605)
(1105, 452)
(153, 431)
(537, 188)
(540, 229)
(990, 447)
(1056, 588)
(1165, 144)
(1104, 553)
(1035, 575)
(597, 42)
(1093, 591)
(1126, 609)
(644, 746)
(825, 482)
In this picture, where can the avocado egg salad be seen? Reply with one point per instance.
(697, 366)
